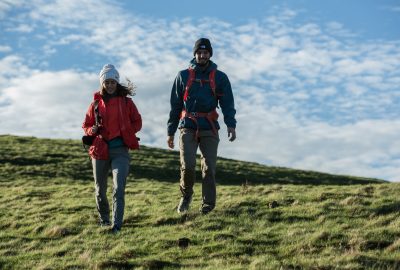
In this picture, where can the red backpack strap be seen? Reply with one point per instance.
(96, 112)
(212, 81)
(189, 82)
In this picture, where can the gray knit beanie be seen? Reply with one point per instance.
(109, 72)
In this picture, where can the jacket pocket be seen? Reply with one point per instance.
(99, 149)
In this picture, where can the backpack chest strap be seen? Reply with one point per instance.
(192, 78)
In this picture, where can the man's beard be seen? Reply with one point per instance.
(204, 64)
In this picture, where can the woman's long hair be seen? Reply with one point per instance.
(122, 90)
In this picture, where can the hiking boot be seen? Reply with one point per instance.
(184, 204)
(115, 230)
(205, 209)
(104, 223)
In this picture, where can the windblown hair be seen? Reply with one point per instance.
(123, 90)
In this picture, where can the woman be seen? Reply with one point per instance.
(114, 119)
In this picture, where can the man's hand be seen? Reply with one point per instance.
(231, 134)
(170, 141)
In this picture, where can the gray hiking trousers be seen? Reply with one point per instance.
(118, 161)
(188, 145)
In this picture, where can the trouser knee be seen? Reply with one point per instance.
(100, 193)
(188, 171)
(119, 193)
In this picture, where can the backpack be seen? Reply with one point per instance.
(192, 77)
(87, 140)
(210, 116)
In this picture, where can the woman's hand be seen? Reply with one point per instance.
(95, 129)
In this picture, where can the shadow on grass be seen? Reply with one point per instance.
(371, 245)
(388, 208)
(159, 264)
(114, 264)
(232, 172)
(135, 220)
(377, 263)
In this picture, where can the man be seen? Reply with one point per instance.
(195, 95)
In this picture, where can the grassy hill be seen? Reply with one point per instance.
(266, 217)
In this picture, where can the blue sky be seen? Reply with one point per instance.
(316, 83)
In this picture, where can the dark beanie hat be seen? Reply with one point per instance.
(203, 43)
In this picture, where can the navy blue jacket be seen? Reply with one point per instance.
(201, 99)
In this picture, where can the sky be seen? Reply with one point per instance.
(316, 83)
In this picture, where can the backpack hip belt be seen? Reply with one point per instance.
(210, 116)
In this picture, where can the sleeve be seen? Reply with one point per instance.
(135, 117)
(226, 101)
(176, 103)
(89, 121)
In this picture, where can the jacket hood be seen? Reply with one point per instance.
(193, 65)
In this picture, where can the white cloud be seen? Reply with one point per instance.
(4, 49)
(336, 28)
(355, 89)
(304, 99)
(23, 28)
(12, 66)
(309, 30)
(392, 8)
(6, 5)
(45, 104)
(325, 92)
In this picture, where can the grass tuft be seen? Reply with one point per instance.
(57, 231)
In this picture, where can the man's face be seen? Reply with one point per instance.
(202, 57)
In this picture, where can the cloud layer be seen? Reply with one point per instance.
(308, 96)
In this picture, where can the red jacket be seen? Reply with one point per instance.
(129, 123)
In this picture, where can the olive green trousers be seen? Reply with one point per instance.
(207, 141)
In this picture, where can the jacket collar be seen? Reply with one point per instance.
(97, 96)
(193, 65)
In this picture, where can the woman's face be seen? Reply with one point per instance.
(110, 86)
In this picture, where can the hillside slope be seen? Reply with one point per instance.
(33, 157)
(279, 219)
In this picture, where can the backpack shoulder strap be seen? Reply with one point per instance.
(189, 83)
(96, 111)
(212, 81)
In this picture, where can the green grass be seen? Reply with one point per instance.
(266, 217)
